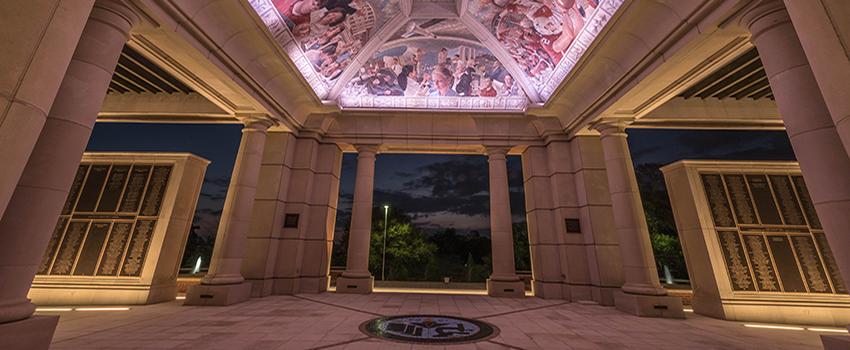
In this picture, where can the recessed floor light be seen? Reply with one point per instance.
(53, 309)
(834, 330)
(102, 309)
(768, 326)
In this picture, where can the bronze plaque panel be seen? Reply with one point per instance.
(765, 205)
(814, 271)
(138, 249)
(75, 189)
(47, 259)
(806, 201)
(717, 200)
(135, 188)
(741, 202)
(114, 187)
(68, 250)
(786, 264)
(762, 266)
(91, 191)
(114, 249)
(156, 189)
(100, 232)
(787, 200)
(831, 264)
(91, 249)
(736, 261)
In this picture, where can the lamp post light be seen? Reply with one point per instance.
(384, 251)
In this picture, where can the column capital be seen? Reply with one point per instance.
(496, 151)
(257, 123)
(762, 15)
(611, 127)
(116, 13)
(366, 149)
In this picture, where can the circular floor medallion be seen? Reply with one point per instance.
(428, 329)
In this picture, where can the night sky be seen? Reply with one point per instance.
(438, 191)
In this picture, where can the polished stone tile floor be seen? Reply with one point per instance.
(330, 321)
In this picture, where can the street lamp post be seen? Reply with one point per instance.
(384, 251)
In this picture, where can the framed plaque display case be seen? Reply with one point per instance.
(753, 244)
(122, 232)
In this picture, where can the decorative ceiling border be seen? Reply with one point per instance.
(598, 19)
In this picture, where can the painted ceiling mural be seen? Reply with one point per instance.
(410, 54)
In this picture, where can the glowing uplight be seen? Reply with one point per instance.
(53, 309)
(197, 266)
(689, 310)
(834, 330)
(181, 297)
(431, 291)
(102, 309)
(789, 328)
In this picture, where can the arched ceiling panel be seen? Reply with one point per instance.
(435, 54)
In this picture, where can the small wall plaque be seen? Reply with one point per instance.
(290, 221)
(573, 225)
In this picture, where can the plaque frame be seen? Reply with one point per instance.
(720, 289)
(155, 270)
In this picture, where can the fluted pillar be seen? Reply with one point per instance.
(503, 282)
(40, 194)
(641, 293)
(224, 284)
(816, 142)
(357, 278)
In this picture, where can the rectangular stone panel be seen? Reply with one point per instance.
(67, 254)
(138, 249)
(113, 189)
(806, 201)
(786, 264)
(831, 264)
(811, 265)
(741, 201)
(761, 263)
(90, 253)
(765, 205)
(135, 188)
(75, 189)
(115, 248)
(736, 261)
(92, 188)
(788, 204)
(156, 189)
(717, 201)
(52, 245)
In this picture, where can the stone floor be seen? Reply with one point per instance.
(330, 321)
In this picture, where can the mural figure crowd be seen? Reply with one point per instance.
(331, 32)
(442, 67)
(536, 33)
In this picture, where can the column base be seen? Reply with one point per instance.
(505, 289)
(355, 285)
(33, 333)
(649, 305)
(835, 342)
(217, 294)
(548, 290)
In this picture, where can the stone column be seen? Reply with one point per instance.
(503, 282)
(45, 35)
(37, 201)
(224, 284)
(641, 293)
(357, 278)
(823, 27)
(816, 142)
